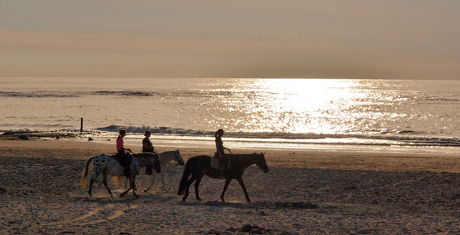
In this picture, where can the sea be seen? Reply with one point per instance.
(366, 115)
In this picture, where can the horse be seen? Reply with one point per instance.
(107, 164)
(199, 166)
(165, 158)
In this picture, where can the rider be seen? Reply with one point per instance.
(123, 157)
(147, 145)
(220, 149)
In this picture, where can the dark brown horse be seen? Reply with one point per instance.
(199, 166)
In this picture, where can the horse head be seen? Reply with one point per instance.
(178, 157)
(261, 163)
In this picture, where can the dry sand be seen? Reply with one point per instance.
(305, 192)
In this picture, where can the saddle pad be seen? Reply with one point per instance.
(215, 163)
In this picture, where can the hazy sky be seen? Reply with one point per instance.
(261, 38)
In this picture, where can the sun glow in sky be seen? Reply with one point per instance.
(203, 38)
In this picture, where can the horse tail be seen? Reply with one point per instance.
(183, 181)
(84, 174)
(116, 180)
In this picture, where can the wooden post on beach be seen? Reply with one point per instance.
(81, 125)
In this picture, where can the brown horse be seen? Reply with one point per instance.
(199, 166)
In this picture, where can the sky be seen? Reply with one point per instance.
(396, 39)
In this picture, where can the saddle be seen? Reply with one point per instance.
(123, 159)
(226, 162)
(125, 162)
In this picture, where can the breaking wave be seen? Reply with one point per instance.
(402, 138)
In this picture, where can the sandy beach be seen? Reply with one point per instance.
(305, 192)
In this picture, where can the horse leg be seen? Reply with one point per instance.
(104, 181)
(187, 187)
(130, 187)
(227, 182)
(91, 182)
(152, 182)
(162, 174)
(197, 185)
(133, 185)
(240, 181)
(126, 181)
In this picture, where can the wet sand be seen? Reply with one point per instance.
(305, 192)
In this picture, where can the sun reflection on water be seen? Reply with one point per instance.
(324, 106)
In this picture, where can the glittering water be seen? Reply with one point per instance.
(404, 115)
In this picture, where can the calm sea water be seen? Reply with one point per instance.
(322, 114)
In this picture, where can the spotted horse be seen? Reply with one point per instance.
(107, 165)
